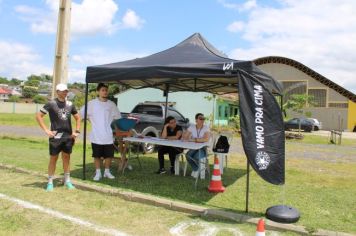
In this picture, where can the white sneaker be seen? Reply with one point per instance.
(108, 175)
(195, 174)
(97, 176)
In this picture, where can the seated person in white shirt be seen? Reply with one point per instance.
(197, 133)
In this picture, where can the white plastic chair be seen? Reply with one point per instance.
(203, 162)
(180, 163)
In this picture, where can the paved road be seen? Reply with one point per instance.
(23, 131)
(236, 146)
(349, 135)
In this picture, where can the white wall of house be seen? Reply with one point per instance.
(331, 117)
(4, 97)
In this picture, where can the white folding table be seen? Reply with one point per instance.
(171, 143)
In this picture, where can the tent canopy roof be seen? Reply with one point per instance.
(192, 65)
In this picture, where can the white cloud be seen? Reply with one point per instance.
(235, 26)
(319, 34)
(132, 20)
(249, 4)
(21, 61)
(93, 16)
(97, 56)
(88, 17)
(76, 75)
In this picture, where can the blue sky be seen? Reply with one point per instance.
(320, 33)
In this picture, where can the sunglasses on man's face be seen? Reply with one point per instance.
(201, 118)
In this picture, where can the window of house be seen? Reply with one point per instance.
(319, 97)
(220, 111)
(338, 104)
(293, 87)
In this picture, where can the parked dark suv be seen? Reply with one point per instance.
(305, 124)
(150, 118)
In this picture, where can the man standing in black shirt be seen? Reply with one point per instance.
(170, 131)
(61, 136)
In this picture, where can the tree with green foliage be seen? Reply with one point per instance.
(115, 89)
(33, 83)
(46, 78)
(297, 103)
(14, 98)
(15, 82)
(29, 92)
(236, 121)
(40, 99)
(3, 80)
(42, 77)
(76, 85)
(79, 99)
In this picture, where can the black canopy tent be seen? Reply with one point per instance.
(192, 65)
(195, 65)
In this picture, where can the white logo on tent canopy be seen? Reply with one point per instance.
(228, 66)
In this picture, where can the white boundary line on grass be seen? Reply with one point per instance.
(60, 215)
(208, 229)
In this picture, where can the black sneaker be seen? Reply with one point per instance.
(172, 170)
(161, 171)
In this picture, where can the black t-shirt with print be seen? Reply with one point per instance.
(60, 115)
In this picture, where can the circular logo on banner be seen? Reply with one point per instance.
(262, 160)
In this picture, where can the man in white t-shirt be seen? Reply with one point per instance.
(101, 112)
(199, 133)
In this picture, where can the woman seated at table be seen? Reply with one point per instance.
(197, 133)
(170, 131)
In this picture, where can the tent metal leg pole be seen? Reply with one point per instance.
(166, 107)
(85, 129)
(247, 185)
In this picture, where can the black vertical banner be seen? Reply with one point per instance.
(262, 130)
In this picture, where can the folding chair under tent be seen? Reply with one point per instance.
(195, 65)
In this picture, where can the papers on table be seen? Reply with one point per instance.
(155, 138)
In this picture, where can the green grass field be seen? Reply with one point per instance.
(320, 181)
(102, 210)
(19, 119)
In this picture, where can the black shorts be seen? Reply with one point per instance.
(102, 150)
(60, 145)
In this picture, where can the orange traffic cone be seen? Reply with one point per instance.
(260, 231)
(215, 183)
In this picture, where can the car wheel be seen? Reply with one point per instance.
(151, 132)
(308, 129)
(148, 148)
(316, 128)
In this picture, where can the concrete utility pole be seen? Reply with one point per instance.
(60, 70)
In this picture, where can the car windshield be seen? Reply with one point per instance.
(315, 121)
